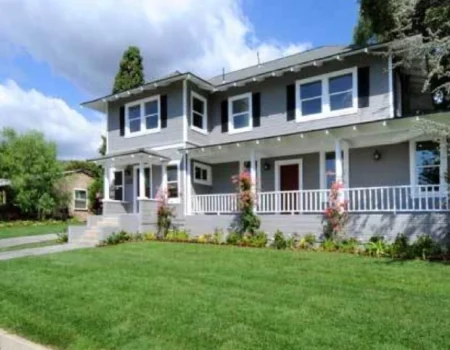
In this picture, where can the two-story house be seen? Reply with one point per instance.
(297, 124)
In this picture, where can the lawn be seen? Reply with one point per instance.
(20, 230)
(187, 296)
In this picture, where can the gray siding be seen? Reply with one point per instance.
(221, 182)
(391, 170)
(273, 101)
(171, 135)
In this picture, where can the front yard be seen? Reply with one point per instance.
(188, 296)
(32, 228)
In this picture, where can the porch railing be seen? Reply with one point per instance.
(363, 199)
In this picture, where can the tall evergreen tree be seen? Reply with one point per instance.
(131, 71)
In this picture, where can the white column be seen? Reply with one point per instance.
(141, 180)
(187, 169)
(339, 164)
(164, 178)
(391, 86)
(106, 181)
(253, 174)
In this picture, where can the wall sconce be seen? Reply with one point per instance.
(266, 166)
(376, 155)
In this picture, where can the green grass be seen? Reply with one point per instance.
(33, 229)
(29, 245)
(187, 296)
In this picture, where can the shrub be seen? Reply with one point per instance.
(165, 214)
(293, 241)
(117, 238)
(63, 237)
(217, 236)
(350, 245)
(175, 235)
(423, 247)
(400, 248)
(259, 239)
(307, 241)
(248, 221)
(329, 245)
(206, 238)
(279, 242)
(376, 246)
(233, 238)
(150, 236)
(336, 215)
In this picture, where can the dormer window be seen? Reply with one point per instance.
(328, 95)
(143, 117)
(240, 113)
(199, 116)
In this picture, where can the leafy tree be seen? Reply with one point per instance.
(131, 71)
(29, 161)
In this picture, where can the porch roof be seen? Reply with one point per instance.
(386, 131)
(139, 154)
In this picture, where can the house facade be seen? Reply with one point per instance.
(76, 183)
(297, 124)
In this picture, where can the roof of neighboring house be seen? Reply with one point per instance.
(5, 182)
(78, 171)
(220, 82)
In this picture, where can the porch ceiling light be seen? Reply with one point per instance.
(376, 155)
(266, 166)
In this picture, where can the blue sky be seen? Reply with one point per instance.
(69, 51)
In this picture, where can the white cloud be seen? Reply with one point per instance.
(83, 40)
(25, 110)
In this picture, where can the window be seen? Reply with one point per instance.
(199, 116)
(328, 168)
(240, 113)
(202, 174)
(428, 165)
(118, 185)
(143, 116)
(172, 182)
(327, 95)
(80, 201)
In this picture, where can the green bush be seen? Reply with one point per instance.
(350, 245)
(218, 236)
(175, 235)
(307, 242)
(422, 247)
(376, 246)
(63, 237)
(233, 238)
(293, 241)
(259, 239)
(329, 245)
(279, 242)
(400, 248)
(150, 236)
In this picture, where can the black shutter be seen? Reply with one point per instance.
(256, 109)
(163, 111)
(122, 121)
(224, 109)
(290, 102)
(363, 87)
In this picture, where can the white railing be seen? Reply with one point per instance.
(365, 199)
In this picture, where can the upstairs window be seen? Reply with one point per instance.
(327, 95)
(80, 201)
(240, 113)
(143, 116)
(199, 113)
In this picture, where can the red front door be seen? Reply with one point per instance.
(289, 181)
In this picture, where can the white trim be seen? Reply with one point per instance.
(107, 132)
(346, 164)
(208, 169)
(75, 199)
(144, 130)
(398, 95)
(136, 198)
(326, 111)
(279, 163)
(204, 129)
(185, 112)
(171, 146)
(188, 184)
(391, 87)
(176, 200)
(231, 129)
(443, 186)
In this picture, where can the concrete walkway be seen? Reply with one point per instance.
(11, 242)
(10, 341)
(43, 250)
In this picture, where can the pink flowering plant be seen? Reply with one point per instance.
(336, 214)
(165, 213)
(248, 222)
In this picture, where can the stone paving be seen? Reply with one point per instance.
(43, 250)
(11, 242)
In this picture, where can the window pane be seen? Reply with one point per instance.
(427, 153)
(240, 106)
(342, 83)
(134, 112)
(198, 121)
(152, 122)
(172, 173)
(204, 175)
(172, 190)
(151, 107)
(198, 106)
(312, 106)
(80, 204)
(135, 125)
(118, 194)
(241, 121)
(311, 90)
(341, 101)
(198, 173)
(118, 178)
(80, 195)
(429, 176)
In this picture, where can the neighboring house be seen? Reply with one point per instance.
(297, 124)
(76, 183)
(4, 184)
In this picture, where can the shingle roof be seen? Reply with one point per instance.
(266, 67)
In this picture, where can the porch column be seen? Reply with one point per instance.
(339, 164)
(141, 180)
(164, 178)
(253, 174)
(106, 181)
(187, 161)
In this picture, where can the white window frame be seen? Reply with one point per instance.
(231, 129)
(75, 199)
(345, 167)
(443, 186)
(326, 109)
(176, 200)
(144, 130)
(204, 129)
(114, 171)
(208, 169)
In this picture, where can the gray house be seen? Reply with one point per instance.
(297, 124)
